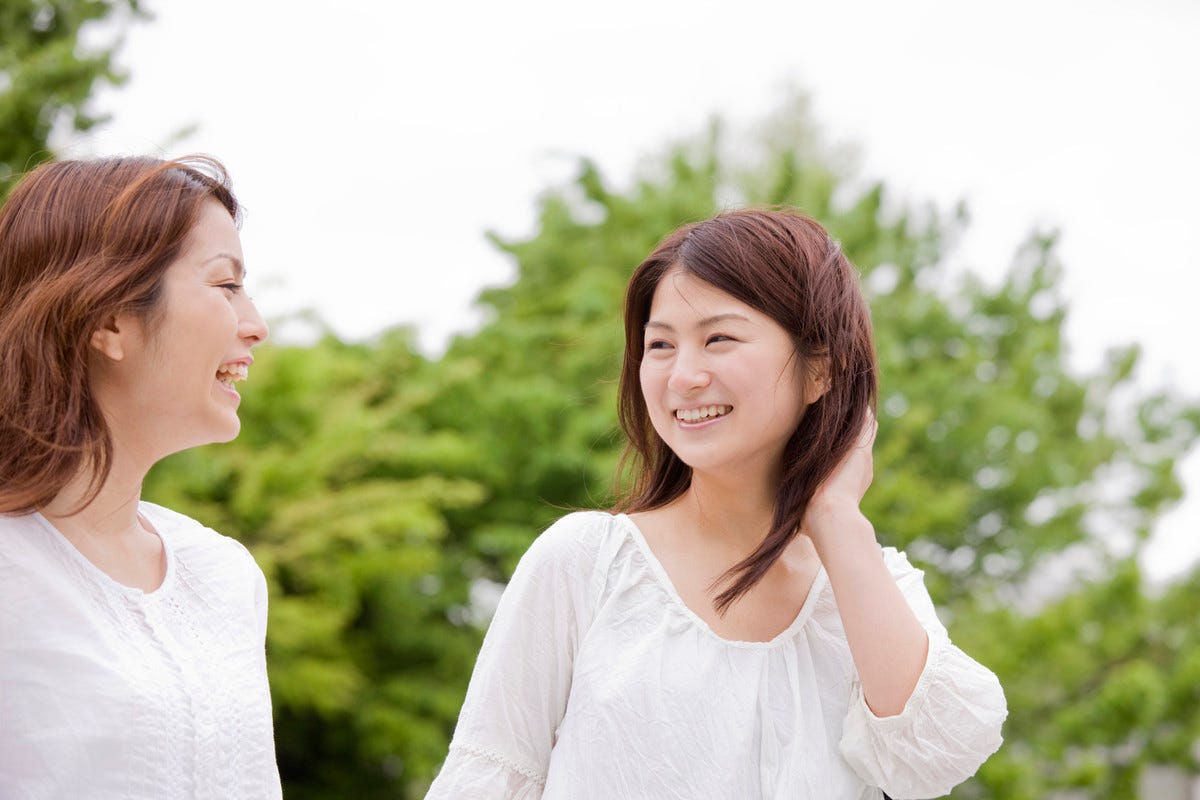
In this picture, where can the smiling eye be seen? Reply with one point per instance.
(232, 288)
(718, 337)
(657, 344)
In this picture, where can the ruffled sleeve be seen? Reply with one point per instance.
(518, 692)
(948, 728)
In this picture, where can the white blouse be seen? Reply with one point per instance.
(596, 682)
(108, 692)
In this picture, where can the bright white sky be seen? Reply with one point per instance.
(374, 143)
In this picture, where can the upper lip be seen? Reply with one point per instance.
(703, 405)
(247, 360)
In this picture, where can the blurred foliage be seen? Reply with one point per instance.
(386, 494)
(48, 71)
(1101, 683)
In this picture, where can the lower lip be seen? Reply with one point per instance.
(703, 423)
(226, 387)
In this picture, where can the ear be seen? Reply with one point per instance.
(107, 339)
(816, 378)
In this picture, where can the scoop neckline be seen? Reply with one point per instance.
(660, 573)
(102, 577)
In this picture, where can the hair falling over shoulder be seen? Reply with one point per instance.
(80, 242)
(785, 265)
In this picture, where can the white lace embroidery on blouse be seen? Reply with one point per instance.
(109, 692)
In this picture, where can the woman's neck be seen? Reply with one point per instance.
(109, 513)
(738, 513)
(107, 530)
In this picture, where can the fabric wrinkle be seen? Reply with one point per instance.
(646, 701)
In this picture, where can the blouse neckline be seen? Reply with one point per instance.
(103, 578)
(660, 573)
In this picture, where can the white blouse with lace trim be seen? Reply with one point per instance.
(108, 692)
(596, 682)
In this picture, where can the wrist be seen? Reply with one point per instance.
(838, 525)
(828, 512)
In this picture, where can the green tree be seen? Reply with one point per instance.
(48, 74)
(1101, 683)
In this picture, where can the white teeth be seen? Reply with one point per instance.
(704, 412)
(229, 373)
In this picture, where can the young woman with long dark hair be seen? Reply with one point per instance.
(734, 630)
(132, 659)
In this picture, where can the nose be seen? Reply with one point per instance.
(251, 326)
(689, 373)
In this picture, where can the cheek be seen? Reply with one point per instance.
(787, 396)
(652, 385)
(646, 380)
(159, 345)
(216, 322)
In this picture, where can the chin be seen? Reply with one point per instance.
(699, 458)
(232, 433)
(226, 431)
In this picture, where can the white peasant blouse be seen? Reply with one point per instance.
(596, 682)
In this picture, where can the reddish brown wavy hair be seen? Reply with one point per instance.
(80, 242)
(785, 265)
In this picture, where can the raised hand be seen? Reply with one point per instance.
(837, 498)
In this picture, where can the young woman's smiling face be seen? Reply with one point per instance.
(720, 379)
(168, 385)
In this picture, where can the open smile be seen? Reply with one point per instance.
(231, 373)
(701, 415)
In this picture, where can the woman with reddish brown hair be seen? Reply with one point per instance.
(132, 657)
(734, 630)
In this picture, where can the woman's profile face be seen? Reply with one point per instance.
(170, 385)
(720, 379)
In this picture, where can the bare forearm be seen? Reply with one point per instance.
(887, 641)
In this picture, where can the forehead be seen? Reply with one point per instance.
(682, 294)
(214, 239)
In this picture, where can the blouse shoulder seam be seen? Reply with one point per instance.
(601, 534)
(184, 531)
(503, 761)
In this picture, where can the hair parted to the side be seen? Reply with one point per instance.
(81, 242)
(785, 265)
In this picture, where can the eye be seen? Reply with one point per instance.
(719, 337)
(658, 344)
(231, 287)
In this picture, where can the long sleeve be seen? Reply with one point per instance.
(948, 728)
(519, 688)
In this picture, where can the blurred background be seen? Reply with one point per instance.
(444, 203)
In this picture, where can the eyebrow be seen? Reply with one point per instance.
(704, 323)
(237, 263)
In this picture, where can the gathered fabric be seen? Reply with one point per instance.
(596, 682)
(112, 693)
